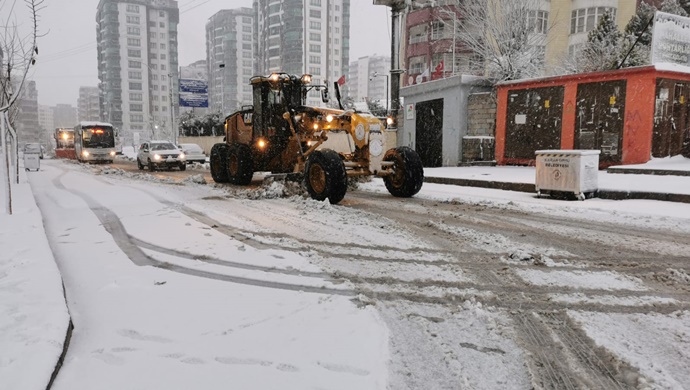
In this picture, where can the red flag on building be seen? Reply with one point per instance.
(341, 80)
(439, 67)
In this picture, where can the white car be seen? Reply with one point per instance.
(158, 154)
(194, 153)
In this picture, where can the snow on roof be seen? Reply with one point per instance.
(94, 123)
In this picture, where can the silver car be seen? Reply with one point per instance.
(194, 153)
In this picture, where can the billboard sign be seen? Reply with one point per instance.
(671, 39)
(193, 93)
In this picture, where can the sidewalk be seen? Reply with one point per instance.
(665, 179)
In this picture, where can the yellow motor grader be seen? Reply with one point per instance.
(281, 135)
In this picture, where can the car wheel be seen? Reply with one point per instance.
(240, 164)
(152, 166)
(183, 166)
(325, 176)
(139, 164)
(408, 173)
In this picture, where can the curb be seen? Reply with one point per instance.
(657, 172)
(528, 187)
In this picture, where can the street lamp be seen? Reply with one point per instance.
(376, 74)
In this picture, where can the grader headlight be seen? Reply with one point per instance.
(261, 143)
(275, 77)
(329, 118)
(306, 79)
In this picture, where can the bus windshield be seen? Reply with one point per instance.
(98, 137)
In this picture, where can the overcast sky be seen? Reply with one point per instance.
(67, 52)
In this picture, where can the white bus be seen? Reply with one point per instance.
(94, 142)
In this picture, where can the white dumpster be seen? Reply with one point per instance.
(567, 172)
(32, 161)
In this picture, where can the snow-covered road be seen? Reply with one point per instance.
(173, 285)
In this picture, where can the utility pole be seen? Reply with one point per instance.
(397, 8)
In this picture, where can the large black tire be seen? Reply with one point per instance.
(240, 164)
(325, 176)
(140, 165)
(219, 163)
(152, 166)
(408, 173)
(183, 166)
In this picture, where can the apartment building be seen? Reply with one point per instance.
(432, 50)
(64, 115)
(138, 66)
(230, 58)
(369, 78)
(304, 36)
(88, 108)
(45, 118)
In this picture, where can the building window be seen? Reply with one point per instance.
(246, 54)
(134, 53)
(246, 46)
(154, 77)
(155, 98)
(164, 88)
(337, 30)
(136, 97)
(136, 107)
(156, 108)
(315, 13)
(133, 41)
(133, 19)
(162, 66)
(134, 75)
(248, 63)
(161, 24)
(417, 65)
(135, 86)
(315, 70)
(586, 19)
(315, 25)
(315, 48)
(134, 30)
(162, 35)
(136, 118)
(247, 29)
(418, 34)
(161, 14)
(135, 64)
(315, 59)
(315, 2)
(164, 98)
(315, 36)
(337, 18)
(133, 8)
(247, 37)
(163, 46)
(164, 108)
(539, 21)
(438, 29)
(246, 19)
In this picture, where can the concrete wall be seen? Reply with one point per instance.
(455, 92)
(206, 143)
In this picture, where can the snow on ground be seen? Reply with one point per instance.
(143, 327)
(658, 345)
(601, 280)
(152, 328)
(33, 313)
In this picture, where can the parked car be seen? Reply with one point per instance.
(158, 154)
(34, 148)
(194, 153)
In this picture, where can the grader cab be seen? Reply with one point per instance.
(280, 134)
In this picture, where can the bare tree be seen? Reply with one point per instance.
(507, 36)
(17, 54)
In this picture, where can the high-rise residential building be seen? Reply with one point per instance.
(197, 70)
(138, 66)
(304, 36)
(230, 58)
(88, 108)
(369, 78)
(45, 118)
(64, 115)
(26, 122)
